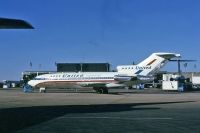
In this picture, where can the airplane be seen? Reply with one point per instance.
(125, 76)
(8, 23)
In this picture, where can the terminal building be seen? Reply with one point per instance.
(83, 67)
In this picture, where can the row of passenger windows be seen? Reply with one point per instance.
(55, 76)
(39, 78)
(83, 78)
(66, 76)
(59, 76)
(127, 68)
(97, 78)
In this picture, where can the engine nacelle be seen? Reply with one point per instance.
(113, 85)
(145, 78)
(122, 78)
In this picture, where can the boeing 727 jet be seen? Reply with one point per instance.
(126, 75)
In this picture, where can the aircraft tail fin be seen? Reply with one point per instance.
(147, 67)
(154, 63)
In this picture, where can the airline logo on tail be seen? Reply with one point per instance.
(151, 62)
(141, 69)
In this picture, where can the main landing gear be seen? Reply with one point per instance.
(42, 90)
(101, 90)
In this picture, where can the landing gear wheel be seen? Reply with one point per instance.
(101, 90)
(105, 91)
(42, 90)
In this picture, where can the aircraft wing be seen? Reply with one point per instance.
(6, 23)
(93, 85)
(120, 81)
(136, 80)
(131, 83)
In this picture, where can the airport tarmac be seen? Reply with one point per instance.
(129, 112)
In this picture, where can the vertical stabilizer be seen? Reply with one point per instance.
(147, 67)
(154, 63)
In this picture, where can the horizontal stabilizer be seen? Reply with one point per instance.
(168, 55)
(6, 23)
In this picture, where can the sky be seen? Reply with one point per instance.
(114, 31)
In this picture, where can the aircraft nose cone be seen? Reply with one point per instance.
(31, 83)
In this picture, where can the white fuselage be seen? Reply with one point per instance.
(74, 80)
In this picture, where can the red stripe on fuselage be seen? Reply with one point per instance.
(78, 80)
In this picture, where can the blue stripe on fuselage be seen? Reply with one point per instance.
(138, 72)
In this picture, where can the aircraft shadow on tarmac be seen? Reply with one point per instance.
(14, 119)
